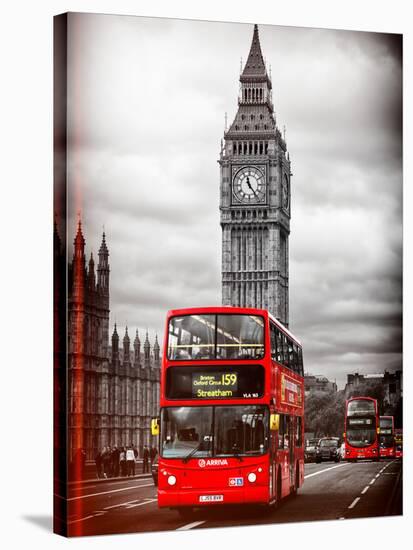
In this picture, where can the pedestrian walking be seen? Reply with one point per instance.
(106, 462)
(122, 462)
(153, 454)
(145, 459)
(130, 461)
(114, 458)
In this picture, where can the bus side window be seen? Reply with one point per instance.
(291, 356)
(273, 338)
(300, 361)
(285, 354)
(296, 365)
(278, 336)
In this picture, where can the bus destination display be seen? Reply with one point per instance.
(359, 421)
(214, 384)
(229, 382)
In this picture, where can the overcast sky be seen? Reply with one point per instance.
(146, 105)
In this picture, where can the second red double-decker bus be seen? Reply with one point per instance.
(361, 429)
(398, 439)
(387, 442)
(232, 406)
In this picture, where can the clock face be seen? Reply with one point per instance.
(249, 185)
(284, 192)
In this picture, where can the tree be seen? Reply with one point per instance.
(324, 413)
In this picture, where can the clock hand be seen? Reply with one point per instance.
(249, 185)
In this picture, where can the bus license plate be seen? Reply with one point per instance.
(211, 498)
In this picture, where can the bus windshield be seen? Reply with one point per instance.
(361, 437)
(214, 431)
(216, 337)
(386, 441)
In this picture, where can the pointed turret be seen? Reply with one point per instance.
(78, 265)
(147, 348)
(137, 348)
(79, 243)
(115, 344)
(126, 346)
(156, 349)
(103, 267)
(91, 272)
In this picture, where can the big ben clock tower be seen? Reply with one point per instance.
(255, 197)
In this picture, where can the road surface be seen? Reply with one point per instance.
(330, 491)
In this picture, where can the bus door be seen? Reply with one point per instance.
(273, 463)
(291, 442)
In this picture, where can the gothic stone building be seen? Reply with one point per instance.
(392, 383)
(255, 197)
(113, 392)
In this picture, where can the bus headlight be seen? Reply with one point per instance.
(171, 480)
(252, 477)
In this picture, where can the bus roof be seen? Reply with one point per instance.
(235, 310)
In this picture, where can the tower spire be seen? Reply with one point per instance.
(126, 346)
(103, 267)
(115, 344)
(255, 65)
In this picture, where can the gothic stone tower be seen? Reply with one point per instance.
(255, 197)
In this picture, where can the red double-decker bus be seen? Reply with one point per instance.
(387, 442)
(398, 438)
(361, 435)
(232, 409)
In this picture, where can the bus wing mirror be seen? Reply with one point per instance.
(155, 426)
(274, 421)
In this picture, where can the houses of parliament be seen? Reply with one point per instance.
(112, 390)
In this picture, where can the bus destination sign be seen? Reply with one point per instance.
(209, 385)
(359, 421)
(228, 382)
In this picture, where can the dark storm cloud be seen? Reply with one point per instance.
(147, 99)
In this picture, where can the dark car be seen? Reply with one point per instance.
(310, 450)
(154, 470)
(328, 448)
